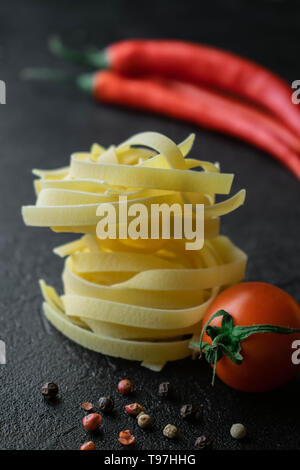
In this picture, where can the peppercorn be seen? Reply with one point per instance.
(170, 431)
(92, 421)
(144, 420)
(88, 446)
(125, 438)
(202, 442)
(50, 390)
(134, 409)
(188, 411)
(87, 406)
(106, 404)
(164, 389)
(125, 386)
(238, 431)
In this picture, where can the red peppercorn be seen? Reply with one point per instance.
(125, 386)
(88, 446)
(87, 406)
(92, 421)
(125, 438)
(134, 409)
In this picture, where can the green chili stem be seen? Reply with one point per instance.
(47, 75)
(84, 82)
(94, 58)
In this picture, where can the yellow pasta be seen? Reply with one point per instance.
(139, 299)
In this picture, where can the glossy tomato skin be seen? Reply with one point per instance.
(267, 358)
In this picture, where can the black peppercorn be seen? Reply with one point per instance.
(49, 390)
(164, 389)
(106, 404)
(188, 411)
(202, 442)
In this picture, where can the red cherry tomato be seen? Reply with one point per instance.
(267, 357)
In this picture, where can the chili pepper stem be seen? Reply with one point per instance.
(42, 73)
(92, 57)
(84, 82)
(227, 339)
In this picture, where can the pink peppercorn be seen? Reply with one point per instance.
(88, 446)
(125, 438)
(87, 406)
(92, 421)
(134, 409)
(125, 386)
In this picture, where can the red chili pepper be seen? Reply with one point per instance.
(198, 64)
(206, 109)
(275, 127)
(191, 103)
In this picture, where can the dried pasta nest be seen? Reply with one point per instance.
(136, 299)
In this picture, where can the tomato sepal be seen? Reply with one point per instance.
(227, 339)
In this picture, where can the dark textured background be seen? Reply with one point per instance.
(39, 127)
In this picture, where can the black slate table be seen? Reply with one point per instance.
(39, 127)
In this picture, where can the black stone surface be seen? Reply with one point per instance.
(39, 127)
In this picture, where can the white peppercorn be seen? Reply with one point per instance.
(170, 431)
(238, 431)
(143, 420)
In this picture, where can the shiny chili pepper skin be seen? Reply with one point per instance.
(205, 65)
(200, 106)
(194, 63)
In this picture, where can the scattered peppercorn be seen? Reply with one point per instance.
(92, 421)
(88, 446)
(125, 386)
(134, 409)
(202, 442)
(125, 438)
(87, 406)
(170, 431)
(188, 411)
(49, 390)
(144, 420)
(164, 389)
(106, 404)
(238, 431)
